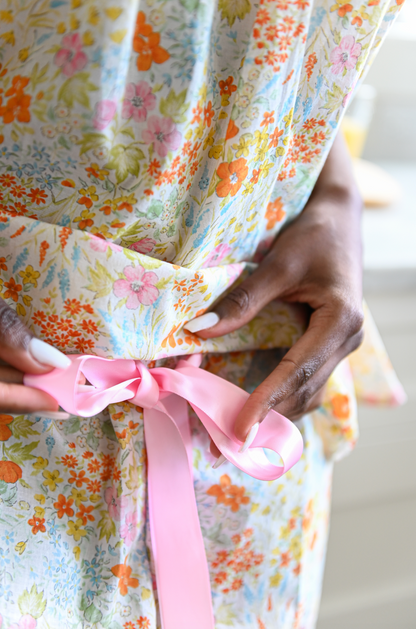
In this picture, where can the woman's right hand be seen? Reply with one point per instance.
(20, 353)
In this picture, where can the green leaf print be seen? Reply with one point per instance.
(174, 106)
(101, 281)
(22, 427)
(18, 453)
(71, 425)
(334, 99)
(76, 89)
(125, 160)
(108, 430)
(92, 141)
(190, 5)
(231, 9)
(106, 525)
(92, 614)
(32, 602)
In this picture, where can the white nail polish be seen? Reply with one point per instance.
(205, 321)
(221, 459)
(51, 414)
(48, 355)
(250, 437)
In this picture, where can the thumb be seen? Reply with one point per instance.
(19, 348)
(240, 306)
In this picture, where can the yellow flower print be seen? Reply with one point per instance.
(275, 580)
(61, 28)
(78, 495)
(75, 529)
(264, 169)
(260, 137)
(296, 547)
(23, 54)
(98, 173)
(40, 463)
(29, 276)
(209, 140)
(85, 220)
(102, 231)
(93, 16)
(243, 147)
(52, 479)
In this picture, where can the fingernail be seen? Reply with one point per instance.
(203, 322)
(250, 437)
(48, 355)
(51, 414)
(221, 459)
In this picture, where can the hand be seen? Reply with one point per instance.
(20, 353)
(316, 261)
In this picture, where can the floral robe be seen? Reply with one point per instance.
(150, 152)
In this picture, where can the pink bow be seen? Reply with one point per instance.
(178, 548)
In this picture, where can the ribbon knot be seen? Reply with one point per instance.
(185, 602)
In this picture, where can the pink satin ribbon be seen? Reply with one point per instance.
(181, 565)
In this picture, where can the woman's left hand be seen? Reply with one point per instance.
(316, 261)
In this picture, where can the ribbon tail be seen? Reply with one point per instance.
(181, 565)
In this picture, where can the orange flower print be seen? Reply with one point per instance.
(37, 196)
(69, 460)
(346, 8)
(37, 524)
(232, 130)
(13, 290)
(5, 432)
(208, 114)
(18, 104)
(78, 479)
(228, 494)
(143, 622)
(227, 87)
(84, 513)
(10, 472)
(232, 175)
(123, 573)
(63, 506)
(340, 406)
(274, 213)
(146, 44)
(268, 118)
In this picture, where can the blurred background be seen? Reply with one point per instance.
(370, 578)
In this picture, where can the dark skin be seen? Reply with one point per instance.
(316, 260)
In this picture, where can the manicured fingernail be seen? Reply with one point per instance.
(51, 414)
(82, 388)
(48, 355)
(250, 437)
(221, 459)
(205, 321)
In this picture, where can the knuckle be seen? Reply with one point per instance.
(238, 300)
(302, 398)
(13, 331)
(349, 315)
(302, 372)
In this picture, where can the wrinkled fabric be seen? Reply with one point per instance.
(150, 153)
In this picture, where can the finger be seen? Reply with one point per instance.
(11, 375)
(325, 334)
(242, 304)
(307, 397)
(20, 349)
(15, 399)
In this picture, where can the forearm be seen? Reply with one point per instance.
(336, 180)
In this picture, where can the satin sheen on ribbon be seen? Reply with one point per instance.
(178, 548)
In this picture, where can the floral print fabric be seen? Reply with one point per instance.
(149, 154)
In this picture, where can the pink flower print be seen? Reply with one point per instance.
(99, 244)
(163, 133)
(345, 55)
(104, 113)
(70, 57)
(26, 622)
(139, 287)
(128, 530)
(145, 245)
(138, 100)
(115, 504)
(216, 255)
